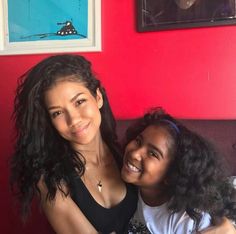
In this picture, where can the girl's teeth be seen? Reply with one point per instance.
(132, 167)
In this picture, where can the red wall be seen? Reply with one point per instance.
(189, 72)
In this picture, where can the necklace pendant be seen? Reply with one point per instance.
(99, 185)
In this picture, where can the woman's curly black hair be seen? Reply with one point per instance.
(39, 149)
(196, 179)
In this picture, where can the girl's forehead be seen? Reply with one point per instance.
(155, 134)
(155, 130)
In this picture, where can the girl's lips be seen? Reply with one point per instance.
(131, 167)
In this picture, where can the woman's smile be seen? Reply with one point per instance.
(80, 131)
(74, 112)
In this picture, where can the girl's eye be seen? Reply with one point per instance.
(55, 114)
(154, 154)
(138, 141)
(79, 102)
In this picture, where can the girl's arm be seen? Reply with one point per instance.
(225, 227)
(63, 214)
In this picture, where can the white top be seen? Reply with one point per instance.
(159, 220)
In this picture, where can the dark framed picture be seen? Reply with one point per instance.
(155, 15)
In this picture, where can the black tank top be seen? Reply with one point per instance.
(105, 220)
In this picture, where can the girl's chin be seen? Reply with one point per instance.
(127, 177)
(124, 175)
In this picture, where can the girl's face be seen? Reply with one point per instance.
(74, 111)
(146, 160)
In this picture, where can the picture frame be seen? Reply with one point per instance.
(156, 15)
(49, 26)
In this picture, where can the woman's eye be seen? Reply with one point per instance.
(55, 114)
(79, 102)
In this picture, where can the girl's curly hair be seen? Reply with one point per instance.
(39, 149)
(196, 179)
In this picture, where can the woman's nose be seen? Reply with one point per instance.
(73, 118)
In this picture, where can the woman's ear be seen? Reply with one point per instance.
(99, 98)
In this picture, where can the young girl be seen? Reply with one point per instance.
(182, 189)
(66, 149)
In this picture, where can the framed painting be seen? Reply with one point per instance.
(155, 15)
(49, 26)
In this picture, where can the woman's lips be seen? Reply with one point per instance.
(80, 131)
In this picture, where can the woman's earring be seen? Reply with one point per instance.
(100, 105)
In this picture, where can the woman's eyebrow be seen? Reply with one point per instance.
(75, 97)
(71, 100)
(53, 107)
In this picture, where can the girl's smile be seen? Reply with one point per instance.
(131, 167)
(146, 160)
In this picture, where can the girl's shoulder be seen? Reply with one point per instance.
(183, 223)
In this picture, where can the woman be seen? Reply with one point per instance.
(67, 150)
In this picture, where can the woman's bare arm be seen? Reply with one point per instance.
(63, 214)
(225, 227)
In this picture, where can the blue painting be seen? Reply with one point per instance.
(37, 20)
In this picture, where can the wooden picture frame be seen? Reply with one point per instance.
(49, 26)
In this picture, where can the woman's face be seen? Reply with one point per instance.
(146, 160)
(74, 111)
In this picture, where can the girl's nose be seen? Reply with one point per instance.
(138, 153)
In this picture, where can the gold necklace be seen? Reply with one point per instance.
(99, 186)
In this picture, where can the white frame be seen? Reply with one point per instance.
(92, 43)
